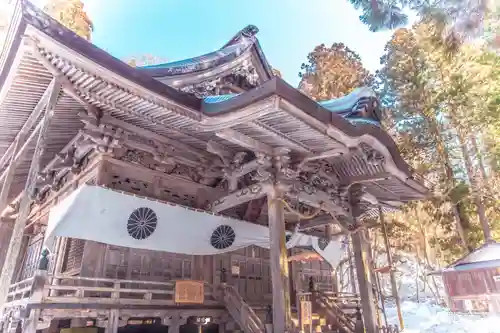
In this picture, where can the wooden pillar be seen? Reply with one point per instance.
(351, 266)
(18, 231)
(6, 227)
(329, 231)
(394, 284)
(174, 323)
(9, 176)
(94, 253)
(59, 261)
(113, 321)
(362, 268)
(279, 263)
(32, 321)
(102, 175)
(364, 282)
(371, 266)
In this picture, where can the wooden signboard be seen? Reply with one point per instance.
(79, 330)
(306, 312)
(189, 291)
(144, 321)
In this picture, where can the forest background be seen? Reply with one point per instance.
(439, 85)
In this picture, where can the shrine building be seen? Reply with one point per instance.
(203, 195)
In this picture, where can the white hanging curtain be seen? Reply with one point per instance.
(107, 216)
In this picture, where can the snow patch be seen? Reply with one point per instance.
(423, 314)
(431, 318)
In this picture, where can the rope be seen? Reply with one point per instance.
(316, 213)
(299, 214)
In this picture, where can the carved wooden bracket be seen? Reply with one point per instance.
(44, 322)
(238, 197)
(105, 138)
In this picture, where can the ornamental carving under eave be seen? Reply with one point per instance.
(215, 203)
(370, 155)
(186, 172)
(243, 76)
(202, 89)
(253, 189)
(262, 175)
(135, 157)
(374, 158)
(104, 139)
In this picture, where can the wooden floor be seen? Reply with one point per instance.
(187, 328)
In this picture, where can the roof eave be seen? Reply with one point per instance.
(318, 117)
(59, 37)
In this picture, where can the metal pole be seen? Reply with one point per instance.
(394, 285)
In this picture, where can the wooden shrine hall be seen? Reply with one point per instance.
(170, 197)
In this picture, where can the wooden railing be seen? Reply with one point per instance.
(334, 312)
(341, 310)
(241, 312)
(20, 291)
(63, 289)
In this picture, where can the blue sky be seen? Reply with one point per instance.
(178, 29)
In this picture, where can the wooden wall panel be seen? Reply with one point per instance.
(248, 270)
(31, 257)
(126, 263)
(6, 227)
(73, 257)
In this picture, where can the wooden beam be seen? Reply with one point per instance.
(249, 167)
(14, 153)
(219, 150)
(316, 198)
(239, 197)
(318, 222)
(279, 263)
(245, 141)
(259, 126)
(200, 154)
(367, 178)
(19, 226)
(323, 155)
(20, 153)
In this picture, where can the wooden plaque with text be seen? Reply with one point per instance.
(306, 312)
(189, 291)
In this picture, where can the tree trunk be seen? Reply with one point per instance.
(481, 210)
(480, 159)
(426, 247)
(417, 275)
(461, 221)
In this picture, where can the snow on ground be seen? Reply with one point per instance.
(424, 315)
(430, 318)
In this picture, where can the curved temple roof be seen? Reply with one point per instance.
(274, 112)
(359, 107)
(243, 42)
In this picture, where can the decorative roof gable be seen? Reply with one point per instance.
(239, 65)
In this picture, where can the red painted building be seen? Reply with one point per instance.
(473, 282)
